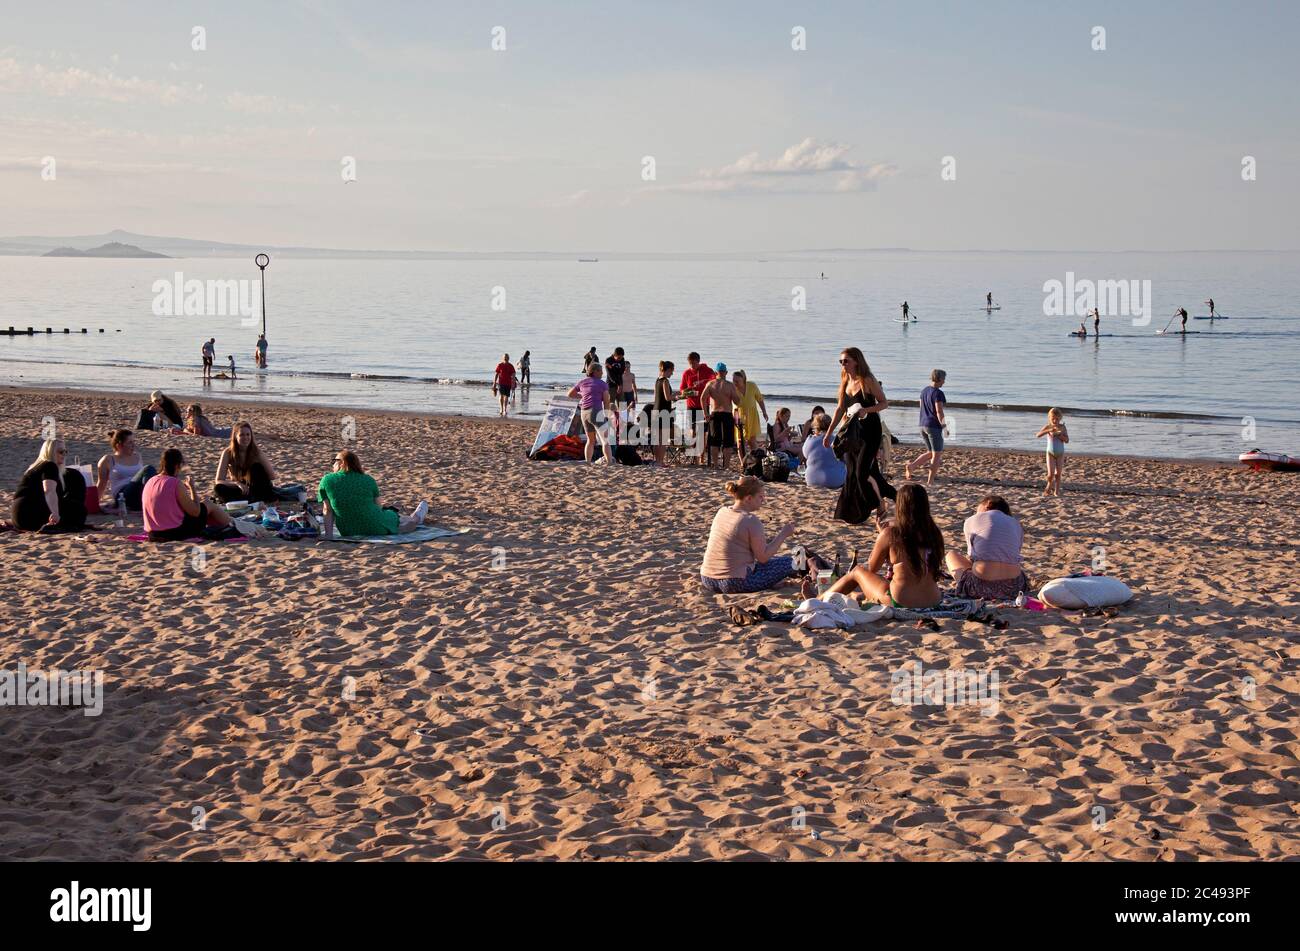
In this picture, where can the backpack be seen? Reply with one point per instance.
(776, 467)
(627, 455)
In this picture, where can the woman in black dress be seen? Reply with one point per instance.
(661, 413)
(864, 487)
(50, 498)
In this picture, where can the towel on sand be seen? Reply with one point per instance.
(835, 610)
(425, 534)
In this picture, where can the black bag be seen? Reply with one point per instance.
(847, 440)
(627, 455)
(754, 463)
(776, 467)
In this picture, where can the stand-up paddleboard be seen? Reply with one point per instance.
(900, 320)
(994, 307)
(1269, 461)
(1179, 333)
(1208, 317)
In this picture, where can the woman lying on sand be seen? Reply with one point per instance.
(243, 473)
(121, 473)
(196, 424)
(738, 557)
(991, 571)
(50, 498)
(172, 510)
(913, 545)
(352, 498)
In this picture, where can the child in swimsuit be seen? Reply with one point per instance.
(1057, 436)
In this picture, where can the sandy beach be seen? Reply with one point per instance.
(555, 684)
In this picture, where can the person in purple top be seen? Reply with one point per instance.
(933, 426)
(595, 410)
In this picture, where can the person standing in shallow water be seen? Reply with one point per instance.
(865, 487)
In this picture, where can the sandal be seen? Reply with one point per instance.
(742, 617)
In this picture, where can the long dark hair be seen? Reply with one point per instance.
(914, 532)
(171, 461)
(860, 364)
(241, 457)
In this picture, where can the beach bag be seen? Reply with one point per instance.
(776, 467)
(754, 463)
(847, 440)
(627, 455)
(145, 420)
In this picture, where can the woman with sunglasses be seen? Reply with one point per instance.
(50, 498)
(865, 488)
(351, 498)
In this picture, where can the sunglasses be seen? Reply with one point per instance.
(846, 360)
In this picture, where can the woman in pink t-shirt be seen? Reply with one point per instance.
(172, 510)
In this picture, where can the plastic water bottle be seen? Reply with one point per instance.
(271, 519)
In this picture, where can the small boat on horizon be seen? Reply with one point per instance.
(588, 260)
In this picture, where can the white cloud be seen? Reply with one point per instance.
(102, 85)
(809, 166)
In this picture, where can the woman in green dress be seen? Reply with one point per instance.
(351, 499)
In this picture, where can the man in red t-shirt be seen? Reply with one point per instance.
(693, 379)
(503, 382)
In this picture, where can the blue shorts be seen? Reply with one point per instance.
(932, 436)
(760, 577)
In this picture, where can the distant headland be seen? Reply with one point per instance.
(114, 249)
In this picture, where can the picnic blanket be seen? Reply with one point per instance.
(427, 533)
(197, 539)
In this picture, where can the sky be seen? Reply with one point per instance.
(542, 145)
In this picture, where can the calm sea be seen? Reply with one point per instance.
(425, 335)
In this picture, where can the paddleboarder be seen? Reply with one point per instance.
(1211, 303)
(905, 310)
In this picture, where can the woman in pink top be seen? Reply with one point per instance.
(172, 510)
(738, 557)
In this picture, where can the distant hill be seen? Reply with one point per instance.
(114, 249)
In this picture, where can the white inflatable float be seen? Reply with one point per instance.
(1088, 591)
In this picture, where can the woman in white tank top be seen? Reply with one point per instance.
(119, 468)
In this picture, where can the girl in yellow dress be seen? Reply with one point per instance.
(751, 402)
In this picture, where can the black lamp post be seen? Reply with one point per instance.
(262, 261)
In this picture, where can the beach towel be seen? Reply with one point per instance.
(426, 534)
(834, 611)
(197, 539)
(965, 608)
